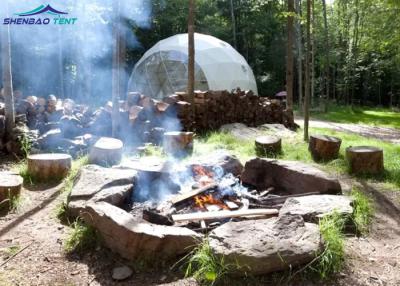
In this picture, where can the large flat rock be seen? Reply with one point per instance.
(313, 207)
(293, 177)
(263, 246)
(134, 239)
(113, 185)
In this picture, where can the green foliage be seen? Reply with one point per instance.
(331, 259)
(204, 266)
(26, 145)
(363, 211)
(81, 238)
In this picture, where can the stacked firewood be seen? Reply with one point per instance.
(215, 108)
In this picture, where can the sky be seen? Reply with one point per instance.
(329, 1)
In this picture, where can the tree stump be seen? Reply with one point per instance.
(268, 146)
(106, 152)
(365, 160)
(324, 148)
(10, 186)
(49, 167)
(178, 144)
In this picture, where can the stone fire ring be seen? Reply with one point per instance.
(257, 246)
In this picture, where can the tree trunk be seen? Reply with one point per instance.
(61, 64)
(191, 52)
(7, 78)
(312, 55)
(308, 56)
(328, 61)
(289, 62)
(299, 53)
(115, 70)
(233, 24)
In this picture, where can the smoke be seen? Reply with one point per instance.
(74, 60)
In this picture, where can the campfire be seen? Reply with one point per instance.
(208, 197)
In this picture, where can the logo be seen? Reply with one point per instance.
(35, 17)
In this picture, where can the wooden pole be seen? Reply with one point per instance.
(7, 78)
(307, 91)
(115, 70)
(191, 63)
(289, 61)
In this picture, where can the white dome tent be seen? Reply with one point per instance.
(163, 69)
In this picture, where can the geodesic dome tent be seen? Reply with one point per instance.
(218, 66)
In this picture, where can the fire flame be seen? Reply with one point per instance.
(202, 175)
(202, 200)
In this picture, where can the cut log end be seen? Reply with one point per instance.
(324, 148)
(106, 152)
(49, 166)
(10, 186)
(268, 146)
(178, 144)
(365, 160)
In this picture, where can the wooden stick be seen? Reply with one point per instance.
(282, 199)
(15, 254)
(223, 214)
(187, 195)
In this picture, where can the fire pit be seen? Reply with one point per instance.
(163, 209)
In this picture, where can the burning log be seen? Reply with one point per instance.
(178, 143)
(191, 194)
(198, 216)
(51, 166)
(106, 152)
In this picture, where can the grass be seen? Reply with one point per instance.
(331, 259)
(204, 266)
(76, 166)
(81, 238)
(361, 115)
(363, 211)
(294, 148)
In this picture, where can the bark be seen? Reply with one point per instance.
(299, 54)
(233, 24)
(289, 63)
(312, 55)
(308, 83)
(61, 64)
(116, 70)
(7, 78)
(328, 61)
(191, 51)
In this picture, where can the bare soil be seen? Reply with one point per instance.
(35, 231)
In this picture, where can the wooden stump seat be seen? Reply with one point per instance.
(10, 186)
(365, 160)
(106, 152)
(324, 148)
(178, 144)
(268, 146)
(49, 166)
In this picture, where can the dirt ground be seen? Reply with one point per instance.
(38, 237)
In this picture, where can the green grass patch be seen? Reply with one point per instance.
(82, 237)
(331, 259)
(76, 166)
(204, 266)
(294, 148)
(361, 115)
(363, 211)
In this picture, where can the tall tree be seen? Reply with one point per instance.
(289, 62)
(233, 19)
(308, 83)
(299, 43)
(191, 51)
(327, 55)
(7, 77)
(116, 69)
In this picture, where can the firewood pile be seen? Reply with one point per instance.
(216, 108)
(65, 126)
